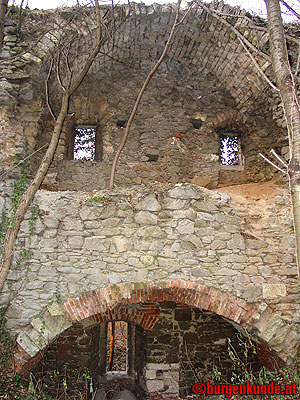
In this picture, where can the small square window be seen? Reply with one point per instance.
(230, 151)
(84, 147)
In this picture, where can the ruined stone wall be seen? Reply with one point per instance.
(86, 241)
(183, 346)
(163, 145)
(206, 76)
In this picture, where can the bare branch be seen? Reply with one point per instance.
(57, 71)
(22, 161)
(279, 158)
(3, 8)
(274, 165)
(139, 98)
(257, 66)
(298, 63)
(290, 8)
(28, 195)
(254, 24)
(92, 55)
(233, 29)
(47, 90)
(20, 16)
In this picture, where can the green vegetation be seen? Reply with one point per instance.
(12, 387)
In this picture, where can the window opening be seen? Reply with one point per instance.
(117, 346)
(121, 123)
(84, 143)
(230, 150)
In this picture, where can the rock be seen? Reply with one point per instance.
(273, 290)
(185, 226)
(201, 181)
(146, 217)
(122, 244)
(184, 192)
(149, 203)
(124, 395)
(252, 293)
(237, 242)
(76, 242)
(100, 394)
(94, 243)
(175, 204)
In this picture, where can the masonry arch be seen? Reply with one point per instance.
(100, 306)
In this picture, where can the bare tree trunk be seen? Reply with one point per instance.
(3, 7)
(31, 191)
(46, 161)
(289, 97)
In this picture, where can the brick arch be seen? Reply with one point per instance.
(145, 317)
(102, 300)
(99, 305)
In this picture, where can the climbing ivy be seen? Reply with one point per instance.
(12, 387)
(7, 219)
(18, 188)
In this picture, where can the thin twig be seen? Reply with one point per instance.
(20, 16)
(258, 67)
(57, 71)
(253, 24)
(139, 98)
(274, 165)
(186, 13)
(290, 8)
(279, 158)
(233, 29)
(22, 161)
(47, 90)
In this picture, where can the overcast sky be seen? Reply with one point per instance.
(257, 6)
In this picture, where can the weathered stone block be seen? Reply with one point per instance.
(175, 204)
(184, 192)
(237, 242)
(122, 244)
(95, 243)
(273, 290)
(185, 227)
(25, 342)
(155, 385)
(147, 218)
(75, 242)
(149, 203)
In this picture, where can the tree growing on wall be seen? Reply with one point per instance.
(287, 87)
(70, 83)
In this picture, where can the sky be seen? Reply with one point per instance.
(256, 6)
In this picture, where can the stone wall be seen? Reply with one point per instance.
(184, 346)
(83, 242)
(163, 145)
(205, 77)
(162, 240)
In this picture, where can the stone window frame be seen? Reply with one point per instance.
(103, 337)
(240, 165)
(98, 141)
